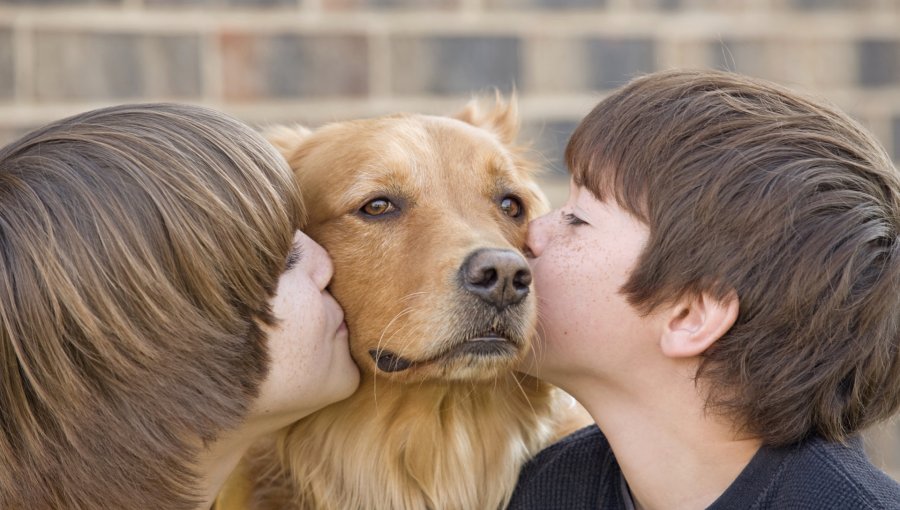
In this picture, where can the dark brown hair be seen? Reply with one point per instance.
(748, 187)
(139, 248)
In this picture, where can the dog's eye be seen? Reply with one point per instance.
(378, 207)
(511, 207)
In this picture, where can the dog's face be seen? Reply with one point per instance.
(424, 218)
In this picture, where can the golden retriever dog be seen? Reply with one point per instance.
(424, 217)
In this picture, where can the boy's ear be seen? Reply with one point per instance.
(695, 322)
(287, 139)
(502, 118)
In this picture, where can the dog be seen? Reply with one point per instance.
(424, 218)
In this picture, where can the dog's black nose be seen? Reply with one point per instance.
(499, 277)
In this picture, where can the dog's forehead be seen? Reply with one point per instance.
(419, 149)
(437, 163)
(461, 151)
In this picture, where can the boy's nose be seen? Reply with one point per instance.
(536, 238)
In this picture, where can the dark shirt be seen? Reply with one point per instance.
(580, 472)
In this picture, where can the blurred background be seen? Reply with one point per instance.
(315, 61)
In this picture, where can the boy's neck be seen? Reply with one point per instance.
(219, 459)
(215, 464)
(673, 454)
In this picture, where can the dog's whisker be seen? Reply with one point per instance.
(524, 395)
(378, 348)
(405, 342)
(390, 323)
(537, 347)
(403, 312)
(414, 294)
(496, 383)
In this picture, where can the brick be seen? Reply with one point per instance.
(260, 4)
(294, 65)
(879, 62)
(560, 65)
(182, 3)
(787, 62)
(685, 53)
(614, 62)
(34, 3)
(549, 139)
(882, 443)
(812, 64)
(746, 57)
(721, 5)
(85, 66)
(454, 65)
(7, 65)
(390, 4)
(662, 5)
(172, 66)
(12, 133)
(811, 5)
(554, 65)
(8, 135)
(830, 64)
(896, 156)
(546, 4)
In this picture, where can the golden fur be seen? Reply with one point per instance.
(451, 432)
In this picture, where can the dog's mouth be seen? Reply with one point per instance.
(487, 345)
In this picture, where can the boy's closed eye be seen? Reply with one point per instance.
(293, 257)
(573, 220)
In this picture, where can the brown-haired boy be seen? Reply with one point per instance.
(722, 293)
(159, 309)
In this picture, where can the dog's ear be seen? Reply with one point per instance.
(287, 139)
(502, 118)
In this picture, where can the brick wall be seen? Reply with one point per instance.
(313, 61)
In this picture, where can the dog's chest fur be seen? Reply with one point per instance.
(440, 446)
